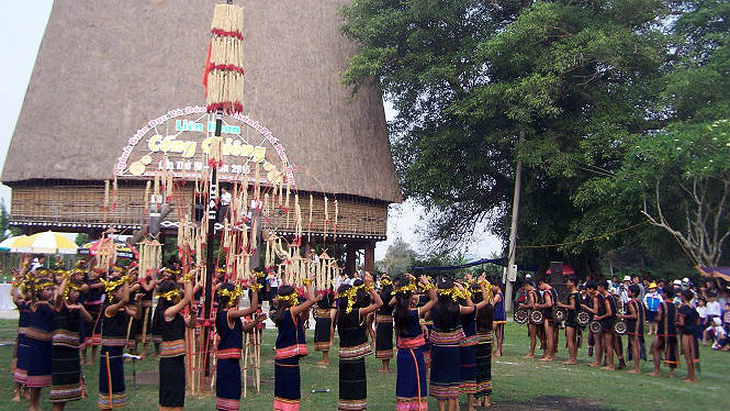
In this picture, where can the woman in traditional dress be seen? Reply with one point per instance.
(445, 339)
(324, 325)
(411, 390)
(289, 317)
(500, 318)
(40, 341)
(354, 345)
(688, 322)
(468, 346)
(115, 312)
(21, 294)
(172, 351)
(384, 325)
(229, 328)
(67, 323)
(92, 303)
(483, 298)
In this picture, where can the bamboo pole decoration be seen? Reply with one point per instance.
(114, 193)
(297, 217)
(337, 215)
(147, 188)
(224, 70)
(309, 223)
(106, 195)
(257, 182)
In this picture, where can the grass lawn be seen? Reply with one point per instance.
(518, 383)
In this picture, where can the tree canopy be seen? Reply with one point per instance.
(580, 81)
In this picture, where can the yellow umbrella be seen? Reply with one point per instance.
(45, 243)
(9, 244)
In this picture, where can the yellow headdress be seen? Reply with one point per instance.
(111, 286)
(290, 299)
(351, 295)
(71, 286)
(170, 294)
(231, 294)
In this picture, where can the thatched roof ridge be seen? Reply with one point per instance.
(106, 67)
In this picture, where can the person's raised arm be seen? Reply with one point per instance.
(235, 314)
(112, 309)
(485, 298)
(469, 307)
(58, 297)
(496, 298)
(309, 302)
(375, 301)
(432, 297)
(171, 312)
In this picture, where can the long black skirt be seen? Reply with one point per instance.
(228, 384)
(66, 375)
(353, 385)
(322, 336)
(113, 396)
(384, 340)
(484, 365)
(172, 382)
(287, 384)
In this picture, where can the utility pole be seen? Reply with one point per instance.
(511, 265)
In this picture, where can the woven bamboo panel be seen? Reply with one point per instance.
(85, 204)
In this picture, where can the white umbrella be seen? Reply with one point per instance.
(8, 244)
(45, 243)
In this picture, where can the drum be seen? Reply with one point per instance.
(559, 314)
(537, 317)
(583, 318)
(619, 327)
(595, 327)
(521, 315)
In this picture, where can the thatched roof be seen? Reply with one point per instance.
(106, 67)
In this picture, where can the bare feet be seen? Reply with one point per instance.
(609, 367)
(325, 363)
(654, 374)
(529, 356)
(670, 375)
(498, 354)
(16, 398)
(547, 359)
(384, 370)
(688, 380)
(570, 362)
(594, 364)
(634, 372)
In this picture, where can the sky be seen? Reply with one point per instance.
(21, 31)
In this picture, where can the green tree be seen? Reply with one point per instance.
(470, 78)
(4, 221)
(398, 258)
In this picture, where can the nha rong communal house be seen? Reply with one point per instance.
(114, 120)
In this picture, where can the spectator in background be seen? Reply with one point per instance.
(714, 309)
(272, 284)
(614, 286)
(642, 289)
(702, 312)
(677, 285)
(624, 291)
(719, 335)
(225, 201)
(726, 317)
(652, 300)
(723, 297)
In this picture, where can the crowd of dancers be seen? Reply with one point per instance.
(593, 306)
(443, 334)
